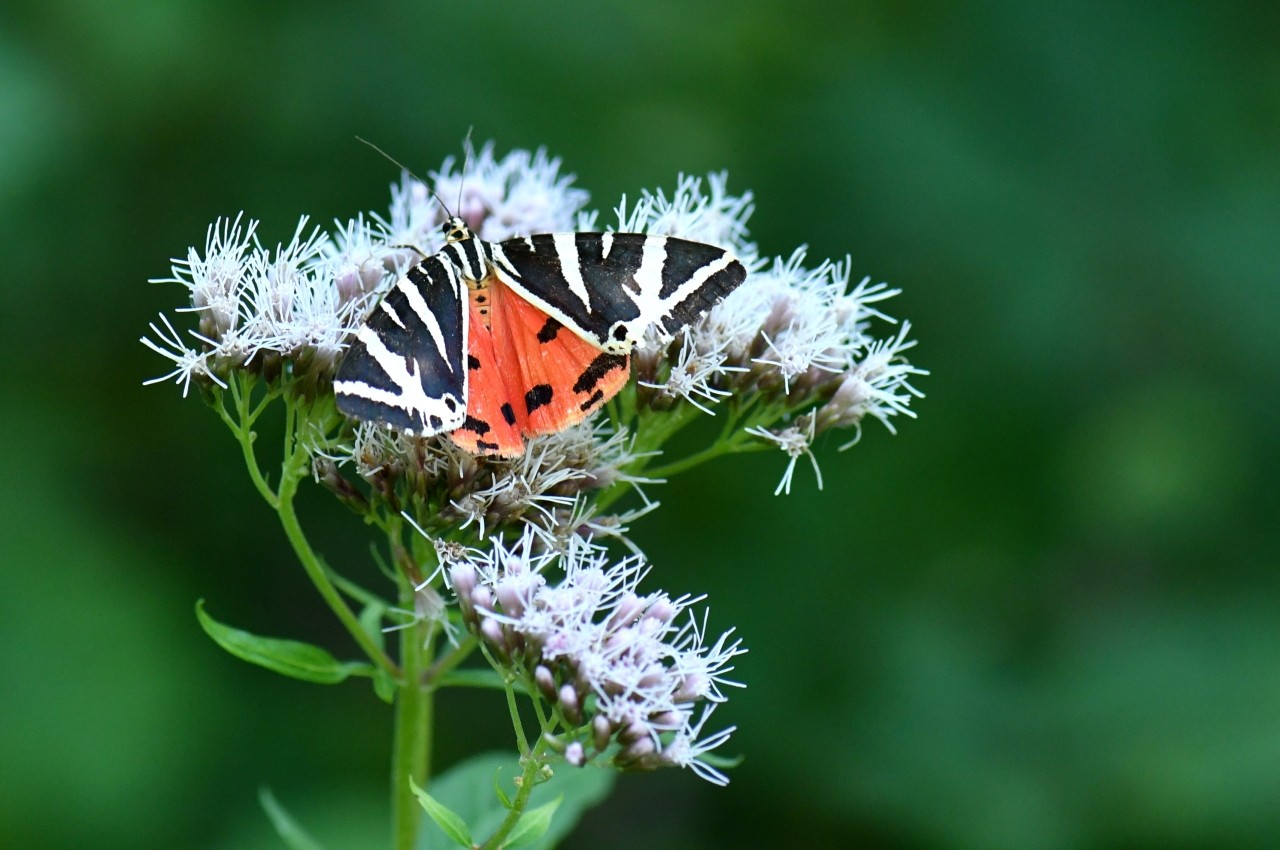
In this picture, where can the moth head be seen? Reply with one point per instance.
(455, 230)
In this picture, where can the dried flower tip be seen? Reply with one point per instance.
(796, 441)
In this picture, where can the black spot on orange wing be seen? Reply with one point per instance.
(508, 414)
(538, 396)
(487, 429)
(549, 331)
(478, 425)
(595, 372)
(542, 370)
(602, 379)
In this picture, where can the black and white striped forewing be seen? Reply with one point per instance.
(406, 366)
(609, 288)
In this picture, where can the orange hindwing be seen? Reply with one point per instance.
(528, 374)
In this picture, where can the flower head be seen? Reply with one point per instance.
(624, 667)
(795, 340)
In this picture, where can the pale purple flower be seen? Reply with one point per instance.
(645, 659)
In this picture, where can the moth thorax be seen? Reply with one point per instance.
(482, 299)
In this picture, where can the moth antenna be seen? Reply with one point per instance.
(466, 161)
(413, 248)
(409, 171)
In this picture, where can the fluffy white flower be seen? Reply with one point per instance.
(188, 363)
(800, 339)
(714, 217)
(602, 638)
(519, 194)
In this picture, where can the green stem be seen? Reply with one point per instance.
(533, 762)
(712, 451)
(355, 591)
(411, 754)
(291, 472)
(446, 663)
(242, 427)
(316, 571)
(655, 428)
(515, 720)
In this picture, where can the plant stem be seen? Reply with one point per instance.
(533, 762)
(712, 451)
(319, 576)
(516, 723)
(411, 756)
(242, 427)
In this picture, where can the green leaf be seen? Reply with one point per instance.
(293, 834)
(467, 789)
(533, 825)
(503, 797)
(371, 621)
(384, 685)
(287, 657)
(445, 818)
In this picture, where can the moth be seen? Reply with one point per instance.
(495, 342)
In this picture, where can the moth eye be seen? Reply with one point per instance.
(619, 332)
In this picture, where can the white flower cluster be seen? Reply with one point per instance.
(799, 339)
(521, 194)
(301, 300)
(802, 338)
(298, 301)
(628, 674)
(797, 335)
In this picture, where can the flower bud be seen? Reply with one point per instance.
(510, 597)
(625, 613)
(661, 610)
(492, 632)
(546, 682)
(601, 732)
(638, 754)
(569, 704)
(482, 599)
(667, 720)
(462, 578)
(371, 274)
(633, 732)
(347, 281)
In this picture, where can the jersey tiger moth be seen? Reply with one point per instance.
(493, 342)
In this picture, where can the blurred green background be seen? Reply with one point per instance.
(1046, 615)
